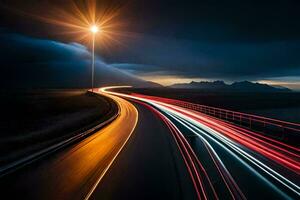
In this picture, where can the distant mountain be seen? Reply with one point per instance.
(201, 85)
(150, 84)
(256, 87)
(236, 86)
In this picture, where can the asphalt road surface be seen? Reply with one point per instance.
(149, 167)
(72, 173)
(156, 150)
(134, 157)
(234, 162)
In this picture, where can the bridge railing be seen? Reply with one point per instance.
(282, 130)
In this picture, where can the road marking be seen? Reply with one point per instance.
(114, 158)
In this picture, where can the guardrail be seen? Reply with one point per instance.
(11, 167)
(282, 130)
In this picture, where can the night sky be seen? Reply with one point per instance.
(179, 41)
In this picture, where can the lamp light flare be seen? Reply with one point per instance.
(94, 29)
(79, 20)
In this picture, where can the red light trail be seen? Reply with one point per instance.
(274, 162)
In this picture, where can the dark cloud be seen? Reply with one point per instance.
(219, 20)
(136, 69)
(215, 20)
(195, 59)
(28, 62)
(214, 39)
(21, 48)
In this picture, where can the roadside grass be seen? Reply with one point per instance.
(32, 120)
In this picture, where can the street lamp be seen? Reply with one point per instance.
(94, 29)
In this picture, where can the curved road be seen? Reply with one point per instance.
(73, 172)
(236, 163)
(155, 150)
(149, 167)
(133, 157)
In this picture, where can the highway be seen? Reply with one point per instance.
(134, 157)
(156, 150)
(72, 173)
(240, 164)
(150, 167)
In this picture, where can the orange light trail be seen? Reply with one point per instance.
(85, 164)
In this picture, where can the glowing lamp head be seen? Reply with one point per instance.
(94, 29)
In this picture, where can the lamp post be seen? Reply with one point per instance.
(94, 29)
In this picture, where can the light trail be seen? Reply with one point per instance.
(125, 127)
(273, 162)
(76, 171)
(236, 147)
(194, 167)
(73, 168)
(289, 159)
